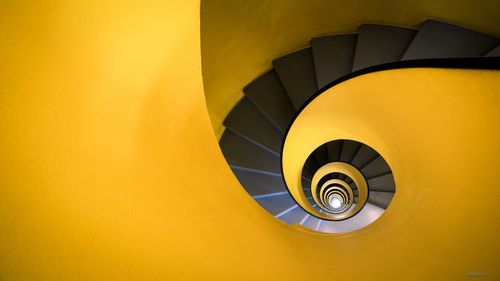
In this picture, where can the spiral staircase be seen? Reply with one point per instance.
(111, 167)
(347, 183)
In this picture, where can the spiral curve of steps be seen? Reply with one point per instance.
(256, 127)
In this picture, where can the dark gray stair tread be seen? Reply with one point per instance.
(349, 181)
(311, 163)
(375, 168)
(269, 96)
(240, 152)
(258, 183)
(441, 40)
(306, 184)
(321, 155)
(334, 154)
(349, 149)
(294, 216)
(382, 183)
(363, 156)
(335, 176)
(246, 120)
(333, 57)
(276, 204)
(379, 44)
(494, 53)
(326, 178)
(334, 150)
(296, 72)
(329, 177)
(380, 199)
(306, 172)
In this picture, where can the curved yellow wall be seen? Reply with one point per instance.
(240, 38)
(103, 127)
(103, 122)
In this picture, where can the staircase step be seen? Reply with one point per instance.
(349, 181)
(379, 44)
(311, 164)
(363, 156)
(349, 150)
(376, 167)
(311, 223)
(306, 184)
(334, 150)
(382, 183)
(333, 57)
(276, 204)
(321, 155)
(296, 72)
(259, 184)
(240, 152)
(494, 53)
(442, 40)
(246, 120)
(270, 97)
(380, 199)
(306, 173)
(294, 216)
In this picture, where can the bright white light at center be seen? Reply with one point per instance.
(335, 202)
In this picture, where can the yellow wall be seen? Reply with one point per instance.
(109, 168)
(103, 124)
(240, 38)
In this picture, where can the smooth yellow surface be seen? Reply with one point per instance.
(240, 38)
(105, 138)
